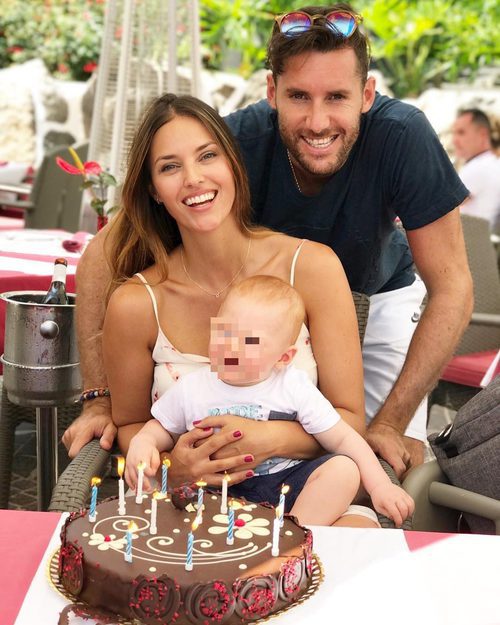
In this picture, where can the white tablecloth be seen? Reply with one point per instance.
(371, 577)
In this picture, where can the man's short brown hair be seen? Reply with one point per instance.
(319, 38)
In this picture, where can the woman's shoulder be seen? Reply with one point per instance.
(306, 249)
(132, 295)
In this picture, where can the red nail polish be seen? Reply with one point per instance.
(248, 458)
(196, 422)
(249, 473)
(206, 429)
(237, 434)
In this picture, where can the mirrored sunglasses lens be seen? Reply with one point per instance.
(341, 23)
(295, 23)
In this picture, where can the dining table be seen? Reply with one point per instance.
(27, 261)
(370, 576)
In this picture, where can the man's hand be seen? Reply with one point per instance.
(389, 444)
(94, 422)
(392, 501)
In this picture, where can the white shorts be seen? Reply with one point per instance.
(392, 320)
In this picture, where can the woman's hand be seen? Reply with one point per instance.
(192, 461)
(262, 439)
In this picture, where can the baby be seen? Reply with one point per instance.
(252, 346)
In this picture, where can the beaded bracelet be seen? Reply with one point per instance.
(92, 393)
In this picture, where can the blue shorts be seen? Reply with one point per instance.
(267, 488)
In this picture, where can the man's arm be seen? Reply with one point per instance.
(92, 278)
(439, 253)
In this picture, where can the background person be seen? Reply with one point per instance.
(331, 160)
(472, 140)
(252, 347)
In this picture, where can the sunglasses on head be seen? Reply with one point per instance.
(340, 22)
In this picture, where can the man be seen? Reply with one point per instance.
(481, 171)
(330, 160)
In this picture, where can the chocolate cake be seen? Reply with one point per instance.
(231, 584)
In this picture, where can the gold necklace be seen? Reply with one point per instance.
(218, 293)
(293, 172)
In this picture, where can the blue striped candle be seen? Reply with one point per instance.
(164, 473)
(189, 554)
(201, 492)
(230, 524)
(94, 482)
(129, 535)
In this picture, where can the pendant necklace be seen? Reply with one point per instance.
(293, 171)
(218, 293)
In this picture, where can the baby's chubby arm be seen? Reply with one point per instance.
(145, 447)
(387, 498)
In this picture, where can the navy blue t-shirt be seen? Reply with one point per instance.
(397, 167)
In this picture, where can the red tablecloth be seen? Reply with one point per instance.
(36, 529)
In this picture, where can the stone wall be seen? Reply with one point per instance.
(38, 112)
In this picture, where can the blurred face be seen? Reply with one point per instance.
(246, 342)
(319, 99)
(468, 139)
(191, 175)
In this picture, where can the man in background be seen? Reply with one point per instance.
(472, 139)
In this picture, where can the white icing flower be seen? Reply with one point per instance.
(107, 542)
(247, 507)
(245, 526)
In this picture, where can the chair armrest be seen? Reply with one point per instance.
(72, 490)
(383, 520)
(465, 501)
(427, 516)
(20, 189)
(485, 319)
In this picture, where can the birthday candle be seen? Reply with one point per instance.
(189, 554)
(94, 482)
(225, 481)
(121, 486)
(230, 525)
(284, 491)
(129, 535)
(199, 514)
(164, 473)
(140, 481)
(275, 550)
(154, 508)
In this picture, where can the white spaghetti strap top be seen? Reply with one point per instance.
(294, 261)
(151, 295)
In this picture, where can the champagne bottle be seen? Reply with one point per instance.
(57, 291)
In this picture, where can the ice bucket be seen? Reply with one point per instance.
(40, 360)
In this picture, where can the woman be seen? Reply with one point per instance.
(185, 224)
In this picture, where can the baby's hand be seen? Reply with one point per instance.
(392, 501)
(141, 450)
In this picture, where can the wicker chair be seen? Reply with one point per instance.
(72, 490)
(482, 338)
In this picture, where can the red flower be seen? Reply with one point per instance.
(89, 168)
(89, 67)
(14, 49)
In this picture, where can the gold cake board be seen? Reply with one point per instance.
(317, 577)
